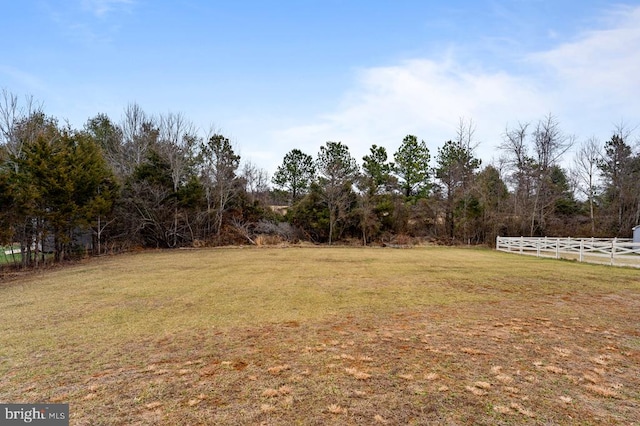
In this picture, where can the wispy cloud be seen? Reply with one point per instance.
(102, 8)
(90, 22)
(30, 82)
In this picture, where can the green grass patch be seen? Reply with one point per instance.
(8, 255)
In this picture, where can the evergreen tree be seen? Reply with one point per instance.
(376, 169)
(59, 176)
(621, 197)
(374, 204)
(493, 195)
(295, 174)
(337, 170)
(455, 168)
(219, 164)
(412, 167)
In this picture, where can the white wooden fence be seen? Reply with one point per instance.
(616, 251)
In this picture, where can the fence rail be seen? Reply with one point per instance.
(610, 251)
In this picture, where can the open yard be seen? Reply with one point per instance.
(9, 254)
(325, 336)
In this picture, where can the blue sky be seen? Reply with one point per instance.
(277, 75)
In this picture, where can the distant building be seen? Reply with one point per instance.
(282, 210)
(636, 234)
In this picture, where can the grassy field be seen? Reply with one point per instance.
(6, 255)
(325, 336)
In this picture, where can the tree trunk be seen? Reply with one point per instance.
(331, 224)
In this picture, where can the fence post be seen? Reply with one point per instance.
(557, 248)
(613, 250)
(581, 250)
(521, 244)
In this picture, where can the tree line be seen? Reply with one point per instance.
(155, 181)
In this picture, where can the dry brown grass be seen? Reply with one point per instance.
(325, 336)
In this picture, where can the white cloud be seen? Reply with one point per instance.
(598, 72)
(605, 58)
(425, 98)
(589, 84)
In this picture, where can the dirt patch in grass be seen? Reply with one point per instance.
(537, 355)
(510, 364)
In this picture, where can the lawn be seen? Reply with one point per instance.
(281, 336)
(10, 254)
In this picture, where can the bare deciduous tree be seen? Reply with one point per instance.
(109, 136)
(518, 166)
(139, 133)
(256, 181)
(549, 144)
(586, 172)
(219, 166)
(465, 137)
(16, 124)
(176, 143)
(531, 174)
